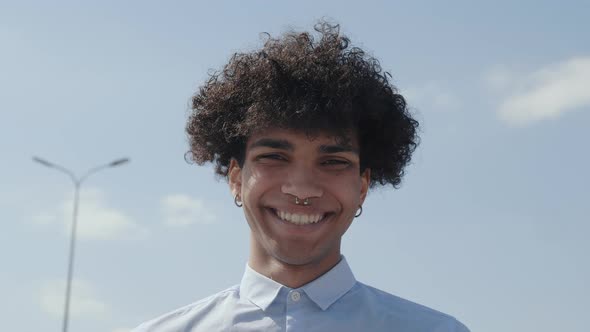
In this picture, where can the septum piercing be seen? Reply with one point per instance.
(305, 202)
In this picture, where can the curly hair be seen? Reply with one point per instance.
(310, 84)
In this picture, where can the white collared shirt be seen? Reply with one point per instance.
(333, 302)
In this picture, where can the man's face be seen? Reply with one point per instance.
(281, 165)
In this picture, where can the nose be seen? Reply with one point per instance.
(302, 183)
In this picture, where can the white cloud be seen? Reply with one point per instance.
(500, 78)
(543, 94)
(431, 95)
(182, 210)
(96, 220)
(83, 301)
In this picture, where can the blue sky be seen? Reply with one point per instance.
(491, 222)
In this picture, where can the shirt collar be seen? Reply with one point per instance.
(331, 286)
(323, 291)
(259, 289)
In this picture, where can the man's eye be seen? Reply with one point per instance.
(336, 163)
(270, 156)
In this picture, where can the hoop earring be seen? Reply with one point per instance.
(236, 202)
(359, 212)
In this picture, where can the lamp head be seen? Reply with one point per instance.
(119, 162)
(43, 162)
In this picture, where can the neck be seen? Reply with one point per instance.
(289, 274)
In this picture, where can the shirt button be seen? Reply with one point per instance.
(295, 296)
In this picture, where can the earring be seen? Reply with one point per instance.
(238, 204)
(359, 212)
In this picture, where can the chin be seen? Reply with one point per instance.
(287, 257)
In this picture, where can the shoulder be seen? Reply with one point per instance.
(397, 311)
(189, 314)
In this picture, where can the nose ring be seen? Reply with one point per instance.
(305, 202)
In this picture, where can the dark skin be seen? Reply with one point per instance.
(289, 243)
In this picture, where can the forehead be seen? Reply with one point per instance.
(291, 139)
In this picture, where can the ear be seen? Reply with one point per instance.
(365, 183)
(234, 176)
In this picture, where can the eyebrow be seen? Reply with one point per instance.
(336, 148)
(282, 144)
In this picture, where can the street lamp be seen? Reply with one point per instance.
(77, 183)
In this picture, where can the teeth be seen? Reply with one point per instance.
(299, 219)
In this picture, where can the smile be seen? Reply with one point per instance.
(298, 218)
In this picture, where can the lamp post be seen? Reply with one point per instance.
(77, 182)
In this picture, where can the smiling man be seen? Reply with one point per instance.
(302, 129)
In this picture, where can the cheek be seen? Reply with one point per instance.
(256, 183)
(348, 192)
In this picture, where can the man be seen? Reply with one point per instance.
(302, 129)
